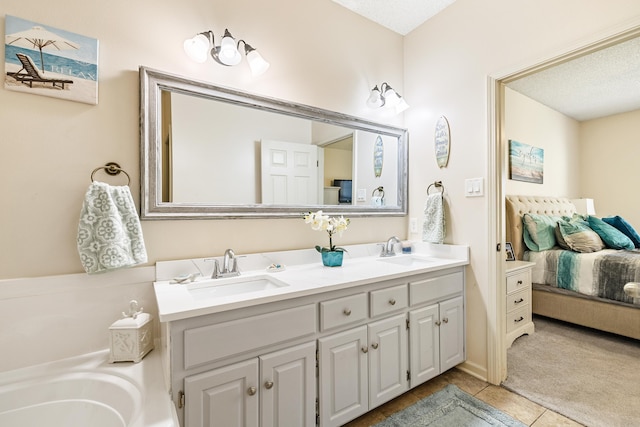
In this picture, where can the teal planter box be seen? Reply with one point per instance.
(332, 258)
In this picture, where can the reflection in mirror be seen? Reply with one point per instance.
(209, 151)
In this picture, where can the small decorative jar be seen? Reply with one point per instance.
(131, 337)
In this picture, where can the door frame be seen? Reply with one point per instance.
(497, 167)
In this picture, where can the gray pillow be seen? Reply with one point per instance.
(577, 236)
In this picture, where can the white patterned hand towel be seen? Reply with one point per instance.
(109, 231)
(433, 226)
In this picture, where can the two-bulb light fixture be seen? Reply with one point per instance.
(227, 53)
(386, 98)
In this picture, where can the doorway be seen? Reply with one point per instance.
(498, 164)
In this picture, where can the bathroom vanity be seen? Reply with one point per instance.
(309, 344)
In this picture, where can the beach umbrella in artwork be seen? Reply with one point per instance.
(39, 38)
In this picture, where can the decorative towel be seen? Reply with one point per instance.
(109, 231)
(433, 226)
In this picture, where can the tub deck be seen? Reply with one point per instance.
(87, 390)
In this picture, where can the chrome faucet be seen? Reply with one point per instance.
(229, 266)
(387, 248)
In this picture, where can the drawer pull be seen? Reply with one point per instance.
(365, 349)
(518, 301)
(518, 320)
(268, 385)
(347, 312)
(374, 345)
(392, 301)
(251, 391)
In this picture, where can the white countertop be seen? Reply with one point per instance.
(303, 275)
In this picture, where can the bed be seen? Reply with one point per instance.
(581, 288)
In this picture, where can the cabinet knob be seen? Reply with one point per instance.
(251, 391)
(365, 349)
(392, 301)
(347, 312)
(374, 345)
(519, 282)
(445, 320)
(518, 301)
(268, 385)
(438, 323)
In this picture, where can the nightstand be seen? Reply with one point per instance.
(518, 303)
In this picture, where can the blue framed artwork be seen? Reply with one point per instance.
(45, 60)
(526, 163)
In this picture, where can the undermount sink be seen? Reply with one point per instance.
(406, 260)
(215, 288)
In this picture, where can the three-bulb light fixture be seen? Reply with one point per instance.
(227, 53)
(387, 98)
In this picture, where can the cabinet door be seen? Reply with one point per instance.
(225, 397)
(288, 387)
(451, 333)
(343, 376)
(387, 359)
(424, 334)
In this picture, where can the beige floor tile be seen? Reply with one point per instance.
(398, 404)
(464, 381)
(511, 403)
(368, 419)
(553, 419)
(427, 389)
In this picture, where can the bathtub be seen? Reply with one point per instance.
(87, 391)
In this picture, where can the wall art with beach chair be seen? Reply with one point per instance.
(44, 60)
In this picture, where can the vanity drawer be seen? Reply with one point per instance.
(517, 318)
(518, 281)
(209, 343)
(388, 300)
(435, 288)
(517, 299)
(342, 311)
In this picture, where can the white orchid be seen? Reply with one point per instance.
(331, 225)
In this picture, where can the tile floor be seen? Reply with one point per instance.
(515, 405)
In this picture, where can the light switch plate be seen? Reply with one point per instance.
(413, 225)
(474, 187)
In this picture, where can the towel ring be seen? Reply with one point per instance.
(436, 184)
(112, 169)
(378, 190)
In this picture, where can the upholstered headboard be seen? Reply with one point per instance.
(517, 206)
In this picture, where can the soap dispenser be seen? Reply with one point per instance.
(131, 337)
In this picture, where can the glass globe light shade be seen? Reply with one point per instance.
(197, 48)
(257, 63)
(228, 52)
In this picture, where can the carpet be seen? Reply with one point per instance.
(589, 376)
(450, 407)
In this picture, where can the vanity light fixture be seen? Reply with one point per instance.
(386, 97)
(227, 53)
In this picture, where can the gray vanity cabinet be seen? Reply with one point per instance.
(324, 358)
(437, 327)
(361, 368)
(273, 390)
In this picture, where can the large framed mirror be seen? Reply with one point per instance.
(214, 152)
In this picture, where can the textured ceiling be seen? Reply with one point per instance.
(401, 16)
(600, 84)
